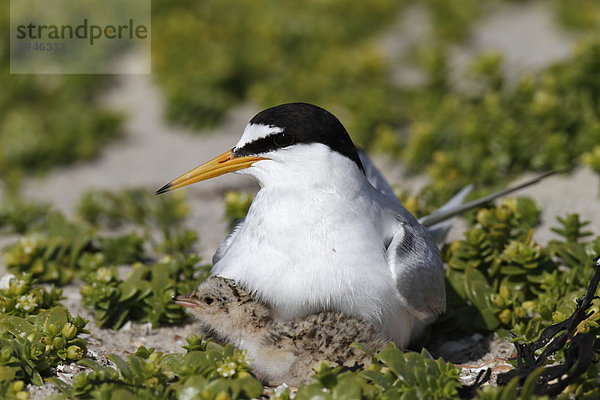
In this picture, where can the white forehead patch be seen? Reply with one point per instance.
(256, 131)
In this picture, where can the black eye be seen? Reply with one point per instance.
(283, 140)
(208, 300)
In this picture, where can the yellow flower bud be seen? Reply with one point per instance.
(499, 301)
(503, 214)
(505, 316)
(53, 329)
(529, 305)
(69, 331)
(86, 290)
(22, 396)
(75, 353)
(504, 292)
(583, 327)
(223, 395)
(59, 342)
(520, 312)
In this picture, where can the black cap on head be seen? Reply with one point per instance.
(301, 123)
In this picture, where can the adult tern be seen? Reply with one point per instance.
(324, 232)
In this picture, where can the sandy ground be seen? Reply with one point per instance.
(153, 152)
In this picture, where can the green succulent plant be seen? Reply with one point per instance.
(498, 278)
(32, 346)
(20, 296)
(210, 372)
(145, 295)
(237, 204)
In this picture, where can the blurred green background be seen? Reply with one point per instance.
(466, 124)
(456, 91)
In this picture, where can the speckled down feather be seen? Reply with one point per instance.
(281, 351)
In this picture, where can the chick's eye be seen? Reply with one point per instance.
(283, 140)
(208, 300)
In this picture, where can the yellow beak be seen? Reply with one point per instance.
(226, 162)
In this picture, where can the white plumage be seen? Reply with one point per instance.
(318, 236)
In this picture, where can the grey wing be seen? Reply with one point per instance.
(374, 176)
(416, 265)
(224, 246)
(412, 254)
(438, 230)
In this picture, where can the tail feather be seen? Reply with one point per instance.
(444, 213)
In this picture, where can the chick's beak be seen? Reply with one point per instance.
(226, 162)
(185, 300)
